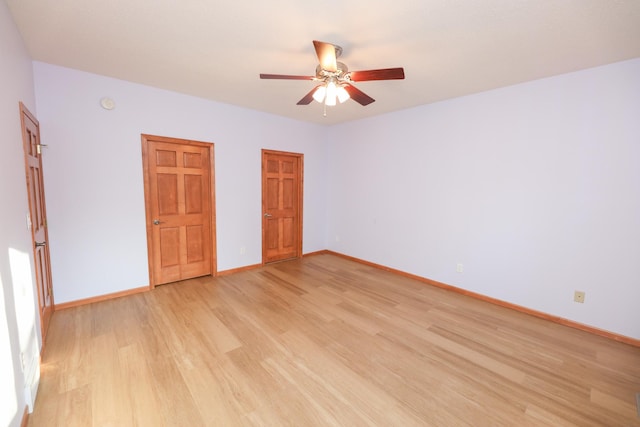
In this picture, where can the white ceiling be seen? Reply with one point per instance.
(215, 49)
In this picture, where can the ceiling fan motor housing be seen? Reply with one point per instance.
(340, 74)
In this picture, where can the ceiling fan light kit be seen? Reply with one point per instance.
(335, 78)
(329, 93)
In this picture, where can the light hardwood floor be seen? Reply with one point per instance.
(325, 341)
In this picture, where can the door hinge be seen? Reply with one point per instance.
(38, 147)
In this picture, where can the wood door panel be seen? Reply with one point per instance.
(179, 201)
(167, 194)
(193, 189)
(288, 198)
(169, 246)
(166, 158)
(195, 245)
(287, 166)
(273, 166)
(282, 205)
(192, 160)
(272, 234)
(41, 267)
(36, 218)
(272, 194)
(288, 232)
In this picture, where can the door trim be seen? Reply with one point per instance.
(147, 202)
(300, 158)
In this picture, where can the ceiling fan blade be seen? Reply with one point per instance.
(326, 55)
(306, 100)
(285, 77)
(357, 95)
(383, 74)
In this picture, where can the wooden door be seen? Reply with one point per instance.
(38, 216)
(281, 205)
(179, 199)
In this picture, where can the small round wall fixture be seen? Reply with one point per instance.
(107, 103)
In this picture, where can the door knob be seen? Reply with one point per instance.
(41, 244)
(267, 215)
(156, 222)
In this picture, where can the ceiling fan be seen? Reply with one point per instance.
(335, 78)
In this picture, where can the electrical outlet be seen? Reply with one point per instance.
(578, 296)
(459, 268)
(243, 250)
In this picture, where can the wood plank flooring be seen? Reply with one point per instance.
(325, 341)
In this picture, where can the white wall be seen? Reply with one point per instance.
(95, 191)
(534, 188)
(19, 330)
